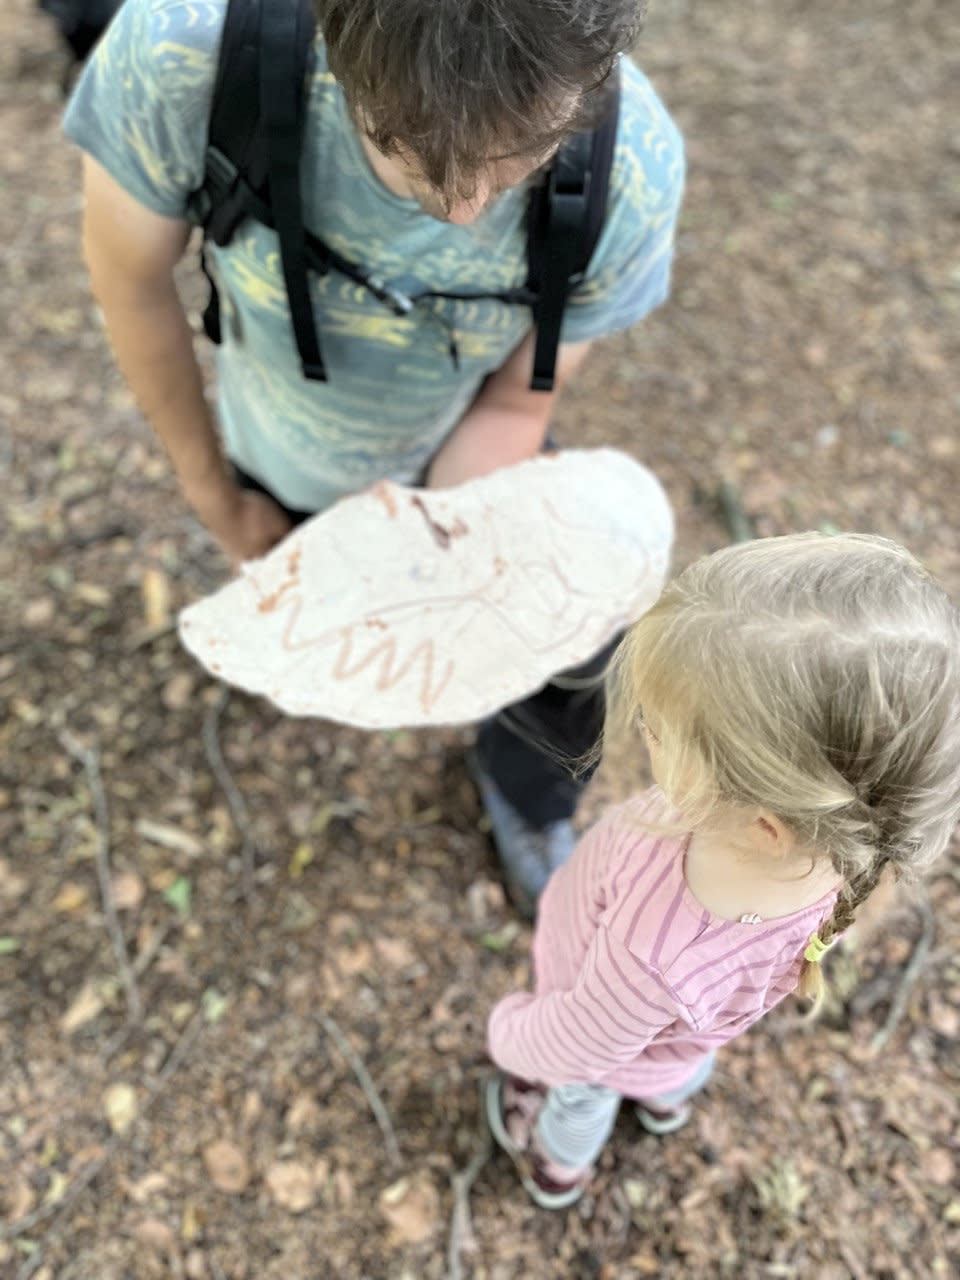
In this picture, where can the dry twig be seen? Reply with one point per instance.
(381, 1115)
(91, 767)
(908, 977)
(235, 801)
(461, 1228)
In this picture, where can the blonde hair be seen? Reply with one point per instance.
(815, 677)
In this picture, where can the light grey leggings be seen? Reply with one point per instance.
(577, 1119)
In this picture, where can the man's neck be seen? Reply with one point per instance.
(389, 171)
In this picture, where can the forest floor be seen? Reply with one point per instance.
(807, 361)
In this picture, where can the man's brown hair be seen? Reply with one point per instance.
(455, 84)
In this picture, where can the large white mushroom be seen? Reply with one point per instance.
(402, 607)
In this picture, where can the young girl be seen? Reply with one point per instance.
(800, 701)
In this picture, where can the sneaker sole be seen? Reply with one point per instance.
(660, 1126)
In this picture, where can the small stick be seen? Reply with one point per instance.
(461, 1228)
(142, 963)
(911, 973)
(380, 1112)
(235, 801)
(91, 766)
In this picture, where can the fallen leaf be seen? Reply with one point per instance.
(346, 1192)
(214, 1005)
(86, 1005)
(300, 859)
(155, 590)
(39, 612)
(411, 1207)
(192, 1223)
(178, 691)
(354, 960)
(303, 1115)
(396, 953)
(92, 593)
(9, 945)
(291, 1185)
(12, 885)
(252, 1108)
(72, 897)
(120, 1106)
(178, 895)
(151, 1184)
(938, 1166)
(155, 1234)
(19, 1199)
(127, 889)
(195, 1265)
(169, 837)
(59, 1182)
(502, 939)
(636, 1192)
(227, 1166)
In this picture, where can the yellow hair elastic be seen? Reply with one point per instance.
(816, 949)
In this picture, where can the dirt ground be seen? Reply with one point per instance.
(808, 361)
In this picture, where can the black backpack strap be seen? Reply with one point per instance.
(285, 36)
(253, 156)
(564, 221)
(220, 203)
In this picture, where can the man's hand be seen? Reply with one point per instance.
(244, 522)
(507, 423)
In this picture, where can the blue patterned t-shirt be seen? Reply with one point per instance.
(141, 108)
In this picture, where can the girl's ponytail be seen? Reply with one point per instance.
(810, 984)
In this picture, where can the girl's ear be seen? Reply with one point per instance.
(773, 836)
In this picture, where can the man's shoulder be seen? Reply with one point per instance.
(650, 158)
(176, 46)
(169, 27)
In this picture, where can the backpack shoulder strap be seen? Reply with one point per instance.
(286, 34)
(254, 142)
(564, 222)
(219, 204)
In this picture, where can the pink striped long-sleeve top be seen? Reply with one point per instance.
(635, 981)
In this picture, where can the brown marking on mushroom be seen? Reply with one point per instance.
(440, 535)
(383, 492)
(269, 603)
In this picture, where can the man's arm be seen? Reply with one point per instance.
(131, 253)
(507, 422)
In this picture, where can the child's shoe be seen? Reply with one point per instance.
(669, 1120)
(511, 1107)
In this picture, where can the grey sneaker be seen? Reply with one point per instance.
(663, 1122)
(550, 1185)
(528, 855)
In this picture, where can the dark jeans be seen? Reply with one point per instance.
(537, 750)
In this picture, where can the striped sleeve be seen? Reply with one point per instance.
(615, 1008)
